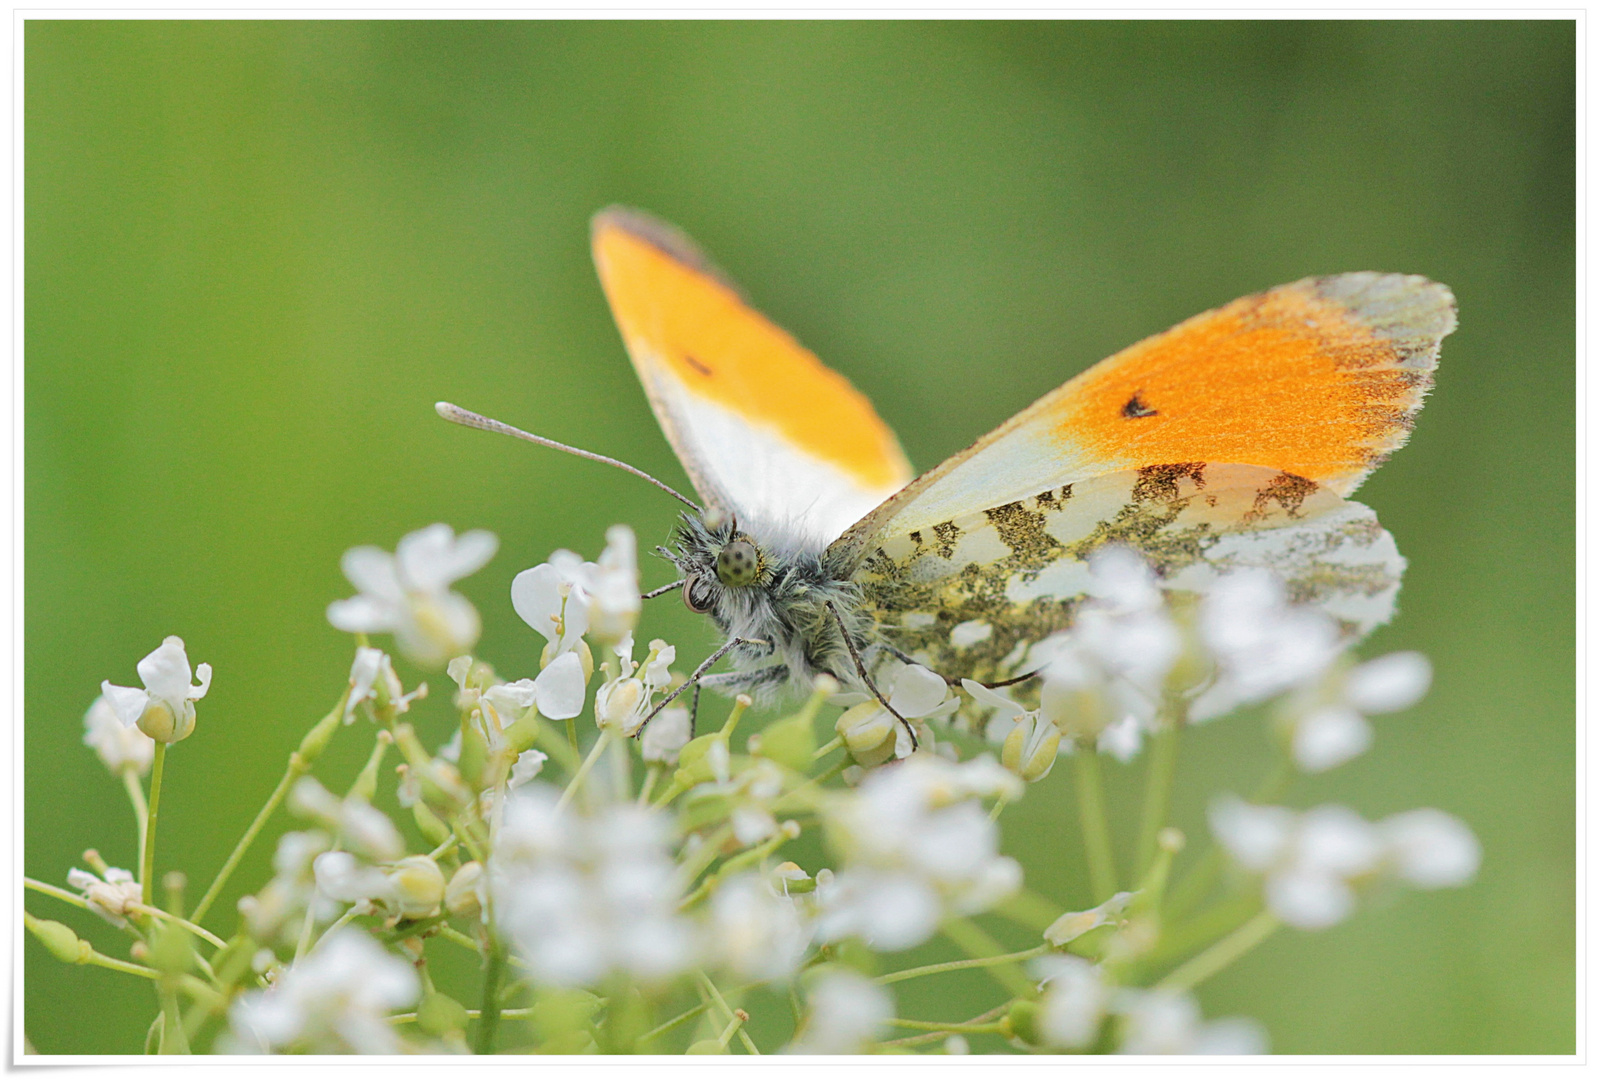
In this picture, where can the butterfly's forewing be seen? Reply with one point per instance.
(968, 595)
(761, 426)
(1319, 379)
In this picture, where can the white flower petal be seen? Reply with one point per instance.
(128, 702)
(165, 672)
(362, 615)
(372, 571)
(1309, 899)
(1328, 737)
(1390, 683)
(1431, 849)
(918, 691)
(1256, 836)
(203, 677)
(559, 689)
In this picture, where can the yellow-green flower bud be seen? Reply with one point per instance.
(586, 658)
(419, 886)
(162, 724)
(1023, 1020)
(463, 894)
(869, 733)
(1080, 713)
(440, 1014)
(617, 704)
(1030, 747)
(60, 939)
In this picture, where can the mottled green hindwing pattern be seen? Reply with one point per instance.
(967, 597)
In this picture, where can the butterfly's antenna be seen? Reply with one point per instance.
(457, 415)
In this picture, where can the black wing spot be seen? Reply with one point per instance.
(1135, 408)
(704, 370)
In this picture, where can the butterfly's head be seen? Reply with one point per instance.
(718, 560)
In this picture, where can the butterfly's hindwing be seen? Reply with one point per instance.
(967, 597)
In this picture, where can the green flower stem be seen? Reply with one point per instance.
(489, 1010)
(800, 796)
(147, 862)
(1092, 821)
(1190, 974)
(111, 963)
(200, 931)
(173, 1038)
(786, 832)
(944, 1028)
(706, 855)
(828, 748)
(343, 921)
(651, 775)
(572, 735)
(577, 781)
(676, 1022)
(961, 965)
(728, 1013)
(290, 775)
(300, 762)
(1194, 886)
(450, 933)
(1160, 771)
(56, 891)
(141, 811)
(1220, 920)
(1002, 968)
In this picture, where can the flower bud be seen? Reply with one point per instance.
(869, 733)
(1030, 747)
(464, 894)
(1079, 712)
(617, 704)
(161, 723)
(1023, 1020)
(417, 886)
(63, 943)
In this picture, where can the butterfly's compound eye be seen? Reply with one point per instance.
(737, 563)
(697, 597)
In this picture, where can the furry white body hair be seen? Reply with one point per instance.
(787, 606)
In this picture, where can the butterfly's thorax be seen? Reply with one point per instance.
(787, 605)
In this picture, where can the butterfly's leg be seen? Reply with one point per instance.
(694, 709)
(861, 669)
(695, 676)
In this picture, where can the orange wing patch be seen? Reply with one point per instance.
(682, 321)
(1319, 379)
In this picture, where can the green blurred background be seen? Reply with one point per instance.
(257, 253)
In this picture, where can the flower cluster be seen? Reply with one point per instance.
(627, 886)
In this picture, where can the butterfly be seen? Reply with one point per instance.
(1230, 441)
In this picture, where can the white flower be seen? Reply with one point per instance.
(526, 767)
(583, 896)
(666, 736)
(121, 748)
(871, 734)
(408, 593)
(281, 903)
(1030, 748)
(371, 670)
(337, 999)
(1165, 1022)
(1314, 862)
(551, 598)
(1121, 738)
(1263, 645)
(624, 702)
(1430, 849)
(613, 587)
(165, 708)
(1309, 860)
(110, 897)
(846, 1012)
(753, 932)
(341, 876)
(361, 826)
(1074, 1003)
(1328, 727)
(918, 848)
